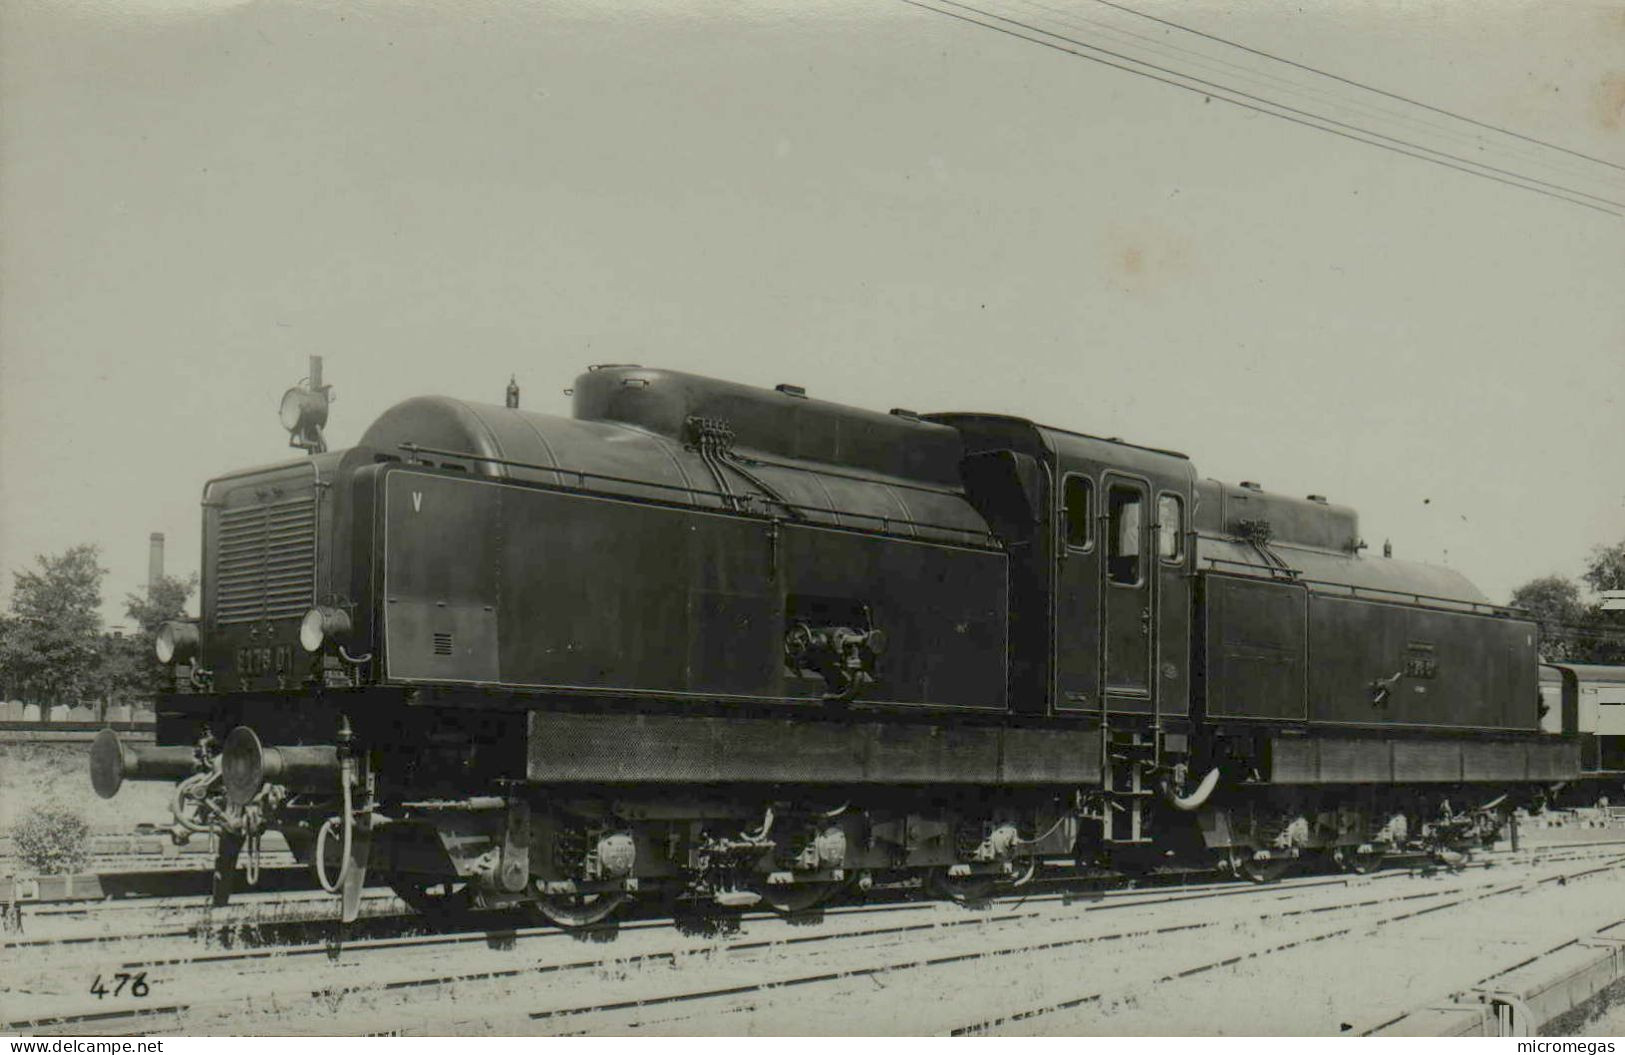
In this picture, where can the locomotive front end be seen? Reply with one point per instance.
(244, 725)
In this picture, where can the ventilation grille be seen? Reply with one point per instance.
(442, 643)
(267, 561)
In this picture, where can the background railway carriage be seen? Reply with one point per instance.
(737, 644)
(1587, 699)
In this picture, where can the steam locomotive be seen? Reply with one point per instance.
(708, 641)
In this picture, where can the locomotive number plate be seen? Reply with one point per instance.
(257, 662)
(1420, 661)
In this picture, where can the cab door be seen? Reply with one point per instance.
(1077, 592)
(1128, 569)
(1170, 661)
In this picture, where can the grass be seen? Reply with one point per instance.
(58, 774)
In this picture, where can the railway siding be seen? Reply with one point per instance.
(1525, 998)
(773, 976)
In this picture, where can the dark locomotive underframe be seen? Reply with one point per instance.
(705, 641)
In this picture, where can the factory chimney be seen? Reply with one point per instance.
(155, 560)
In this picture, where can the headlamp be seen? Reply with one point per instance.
(321, 625)
(175, 642)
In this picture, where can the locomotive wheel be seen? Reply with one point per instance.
(1359, 863)
(433, 899)
(791, 898)
(1452, 857)
(963, 890)
(573, 911)
(1265, 871)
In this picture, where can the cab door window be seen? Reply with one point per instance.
(1079, 497)
(1170, 528)
(1124, 517)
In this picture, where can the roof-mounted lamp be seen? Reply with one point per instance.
(304, 410)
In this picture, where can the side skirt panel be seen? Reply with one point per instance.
(1323, 760)
(675, 749)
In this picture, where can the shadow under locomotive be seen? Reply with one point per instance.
(705, 641)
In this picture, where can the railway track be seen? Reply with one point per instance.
(1465, 898)
(433, 969)
(478, 927)
(1557, 985)
(294, 918)
(757, 995)
(132, 868)
(270, 917)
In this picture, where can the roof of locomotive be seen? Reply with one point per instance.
(1047, 433)
(783, 421)
(1243, 529)
(325, 462)
(1372, 578)
(631, 425)
(1248, 511)
(622, 458)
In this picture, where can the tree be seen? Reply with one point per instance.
(1606, 569)
(1555, 603)
(132, 669)
(1571, 629)
(49, 644)
(158, 603)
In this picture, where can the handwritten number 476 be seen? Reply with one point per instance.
(137, 984)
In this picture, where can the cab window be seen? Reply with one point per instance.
(1079, 496)
(1171, 527)
(1123, 541)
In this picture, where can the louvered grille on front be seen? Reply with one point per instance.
(267, 561)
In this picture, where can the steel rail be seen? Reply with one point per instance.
(1452, 999)
(1520, 887)
(1158, 893)
(1017, 913)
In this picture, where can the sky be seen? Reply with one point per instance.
(886, 205)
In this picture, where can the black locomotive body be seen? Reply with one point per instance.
(714, 641)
